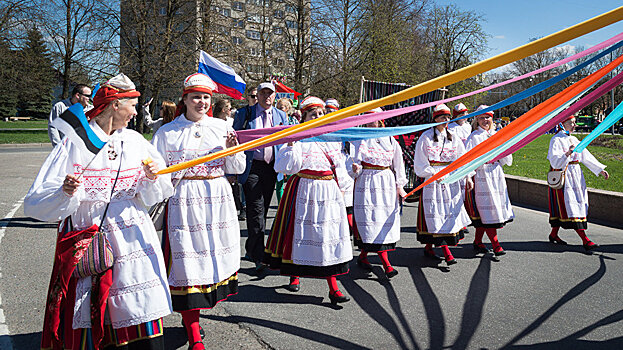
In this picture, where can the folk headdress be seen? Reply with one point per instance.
(332, 104)
(119, 86)
(196, 82)
(458, 109)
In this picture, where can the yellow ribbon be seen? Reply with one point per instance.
(422, 88)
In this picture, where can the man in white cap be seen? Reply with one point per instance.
(81, 93)
(460, 127)
(258, 180)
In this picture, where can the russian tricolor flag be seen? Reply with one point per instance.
(74, 124)
(227, 81)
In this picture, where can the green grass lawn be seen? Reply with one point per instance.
(531, 161)
(30, 124)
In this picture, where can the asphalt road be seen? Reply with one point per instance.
(537, 296)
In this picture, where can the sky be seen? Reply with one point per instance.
(511, 23)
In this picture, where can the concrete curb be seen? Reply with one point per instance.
(604, 206)
(25, 145)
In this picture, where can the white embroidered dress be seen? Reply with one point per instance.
(377, 207)
(490, 189)
(444, 211)
(575, 192)
(462, 131)
(139, 291)
(203, 230)
(321, 233)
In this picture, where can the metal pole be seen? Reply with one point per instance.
(612, 94)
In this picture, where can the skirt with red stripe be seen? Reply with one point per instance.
(204, 296)
(278, 251)
(148, 336)
(472, 211)
(438, 239)
(558, 212)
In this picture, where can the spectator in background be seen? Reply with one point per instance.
(251, 96)
(259, 178)
(222, 109)
(80, 94)
(167, 114)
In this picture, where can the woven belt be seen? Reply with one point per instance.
(575, 162)
(314, 177)
(373, 167)
(435, 163)
(201, 177)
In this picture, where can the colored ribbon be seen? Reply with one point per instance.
(436, 83)
(585, 101)
(464, 171)
(524, 121)
(331, 132)
(609, 121)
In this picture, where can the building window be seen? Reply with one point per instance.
(278, 30)
(254, 2)
(278, 62)
(221, 10)
(222, 30)
(238, 6)
(254, 52)
(290, 56)
(291, 24)
(291, 8)
(163, 11)
(279, 14)
(219, 47)
(266, 3)
(253, 34)
(236, 40)
(238, 23)
(253, 18)
(267, 53)
(278, 46)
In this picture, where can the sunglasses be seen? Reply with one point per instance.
(253, 96)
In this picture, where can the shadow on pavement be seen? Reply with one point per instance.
(26, 341)
(318, 337)
(27, 223)
(570, 295)
(434, 315)
(474, 304)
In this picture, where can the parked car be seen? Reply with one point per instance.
(585, 123)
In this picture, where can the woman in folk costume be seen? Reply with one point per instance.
(110, 189)
(201, 237)
(461, 127)
(568, 206)
(310, 235)
(331, 105)
(441, 213)
(378, 192)
(488, 204)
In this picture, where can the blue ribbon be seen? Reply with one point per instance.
(609, 121)
(353, 134)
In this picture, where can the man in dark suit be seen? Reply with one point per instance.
(258, 180)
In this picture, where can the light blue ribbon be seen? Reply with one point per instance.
(609, 121)
(353, 134)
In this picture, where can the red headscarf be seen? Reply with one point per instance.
(116, 88)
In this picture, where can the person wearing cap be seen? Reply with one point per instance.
(380, 176)
(441, 213)
(81, 190)
(259, 178)
(310, 235)
(201, 237)
(568, 206)
(461, 127)
(80, 94)
(487, 203)
(331, 105)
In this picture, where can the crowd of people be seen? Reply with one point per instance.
(327, 191)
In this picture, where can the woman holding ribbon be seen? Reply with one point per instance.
(441, 213)
(201, 237)
(310, 235)
(111, 190)
(568, 205)
(487, 203)
(377, 195)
